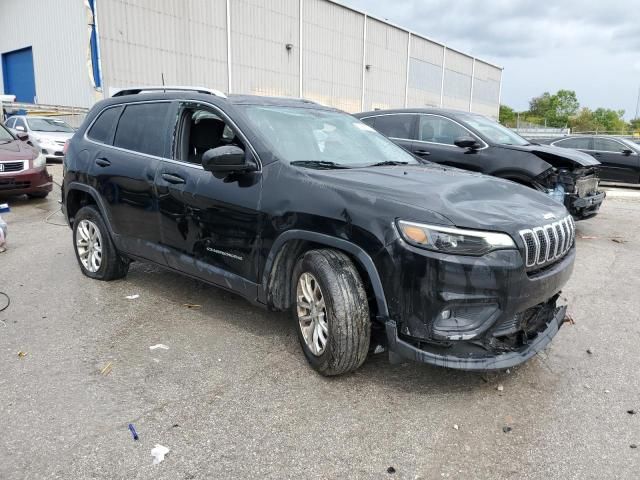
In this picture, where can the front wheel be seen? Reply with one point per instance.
(331, 312)
(96, 254)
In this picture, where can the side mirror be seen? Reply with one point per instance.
(627, 152)
(20, 128)
(227, 159)
(467, 142)
(22, 136)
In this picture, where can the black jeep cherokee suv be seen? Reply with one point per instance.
(300, 207)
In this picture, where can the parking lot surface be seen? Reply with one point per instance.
(233, 397)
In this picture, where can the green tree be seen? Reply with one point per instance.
(610, 120)
(555, 110)
(507, 116)
(634, 125)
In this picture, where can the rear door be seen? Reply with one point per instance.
(617, 166)
(209, 222)
(130, 142)
(399, 127)
(435, 141)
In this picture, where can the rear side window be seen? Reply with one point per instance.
(10, 122)
(142, 128)
(102, 128)
(395, 126)
(580, 143)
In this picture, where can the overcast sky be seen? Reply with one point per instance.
(590, 46)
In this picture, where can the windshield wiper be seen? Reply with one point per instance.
(318, 164)
(387, 162)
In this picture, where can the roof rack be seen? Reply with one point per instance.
(166, 88)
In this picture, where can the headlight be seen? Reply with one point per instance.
(40, 161)
(453, 240)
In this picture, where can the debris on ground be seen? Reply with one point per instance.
(606, 391)
(588, 237)
(589, 351)
(159, 345)
(633, 445)
(569, 319)
(158, 452)
(506, 429)
(191, 305)
(106, 370)
(391, 470)
(456, 427)
(378, 349)
(132, 297)
(22, 354)
(132, 429)
(500, 388)
(4, 207)
(5, 306)
(631, 412)
(618, 240)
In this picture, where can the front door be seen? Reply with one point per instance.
(435, 141)
(209, 223)
(617, 166)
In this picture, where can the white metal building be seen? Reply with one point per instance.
(316, 49)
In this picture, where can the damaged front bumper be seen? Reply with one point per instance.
(475, 361)
(472, 313)
(584, 207)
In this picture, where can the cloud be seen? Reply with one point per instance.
(509, 28)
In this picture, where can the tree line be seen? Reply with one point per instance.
(562, 110)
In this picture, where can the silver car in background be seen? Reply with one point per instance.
(47, 134)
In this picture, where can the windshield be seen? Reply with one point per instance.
(48, 125)
(5, 136)
(493, 131)
(322, 139)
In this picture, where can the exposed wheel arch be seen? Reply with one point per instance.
(287, 249)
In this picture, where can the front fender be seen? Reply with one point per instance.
(356, 252)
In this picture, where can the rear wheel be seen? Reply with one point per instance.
(331, 312)
(95, 252)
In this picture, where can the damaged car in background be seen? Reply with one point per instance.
(477, 143)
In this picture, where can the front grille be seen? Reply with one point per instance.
(586, 186)
(549, 242)
(11, 166)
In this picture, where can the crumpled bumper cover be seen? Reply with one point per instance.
(586, 206)
(476, 361)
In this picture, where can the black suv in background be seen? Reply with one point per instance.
(300, 207)
(619, 157)
(477, 143)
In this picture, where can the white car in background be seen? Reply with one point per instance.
(47, 134)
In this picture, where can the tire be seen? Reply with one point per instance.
(38, 195)
(347, 326)
(111, 265)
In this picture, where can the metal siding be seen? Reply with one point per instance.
(58, 33)
(332, 52)
(425, 73)
(141, 40)
(457, 80)
(260, 31)
(386, 52)
(486, 89)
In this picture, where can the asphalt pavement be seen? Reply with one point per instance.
(233, 397)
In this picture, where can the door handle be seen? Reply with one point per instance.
(175, 179)
(102, 162)
(423, 153)
(597, 154)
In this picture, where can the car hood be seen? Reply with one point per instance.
(16, 150)
(465, 199)
(575, 157)
(55, 136)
